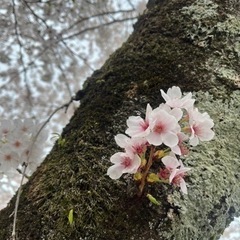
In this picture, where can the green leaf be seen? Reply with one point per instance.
(61, 141)
(153, 199)
(70, 217)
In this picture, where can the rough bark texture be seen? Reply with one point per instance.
(193, 44)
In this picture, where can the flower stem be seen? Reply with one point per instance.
(145, 173)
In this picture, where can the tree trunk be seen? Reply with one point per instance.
(193, 44)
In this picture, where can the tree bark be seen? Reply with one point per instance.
(193, 44)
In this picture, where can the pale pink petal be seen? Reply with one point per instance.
(177, 113)
(117, 158)
(177, 150)
(170, 162)
(172, 175)
(187, 101)
(137, 127)
(183, 186)
(115, 171)
(206, 135)
(121, 140)
(182, 170)
(164, 95)
(148, 112)
(194, 141)
(170, 139)
(154, 139)
(174, 92)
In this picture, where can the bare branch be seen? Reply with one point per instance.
(96, 27)
(77, 55)
(16, 27)
(35, 14)
(95, 16)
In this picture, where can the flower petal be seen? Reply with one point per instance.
(170, 162)
(121, 140)
(170, 139)
(183, 186)
(154, 139)
(115, 171)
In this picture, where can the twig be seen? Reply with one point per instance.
(145, 173)
(16, 27)
(96, 27)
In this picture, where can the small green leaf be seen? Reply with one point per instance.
(153, 199)
(55, 135)
(70, 217)
(61, 141)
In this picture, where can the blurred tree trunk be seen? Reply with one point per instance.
(193, 44)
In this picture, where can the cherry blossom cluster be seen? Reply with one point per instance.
(19, 145)
(154, 145)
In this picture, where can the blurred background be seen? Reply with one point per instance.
(47, 50)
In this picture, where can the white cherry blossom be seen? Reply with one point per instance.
(123, 163)
(20, 143)
(201, 127)
(5, 127)
(24, 126)
(176, 112)
(138, 127)
(8, 159)
(134, 145)
(163, 128)
(165, 131)
(177, 172)
(174, 98)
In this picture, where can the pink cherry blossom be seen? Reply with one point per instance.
(134, 145)
(8, 159)
(5, 127)
(123, 163)
(23, 126)
(138, 127)
(201, 127)
(17, 141)
(171, 126)
(176, 112)
(176, 175)
(174, 98)
(170, 162)
(19, 144)
(163, 128)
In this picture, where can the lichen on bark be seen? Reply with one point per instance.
(159, 54)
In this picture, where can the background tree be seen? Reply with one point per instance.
(192, 44)
(51, 46)
(48, 48)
